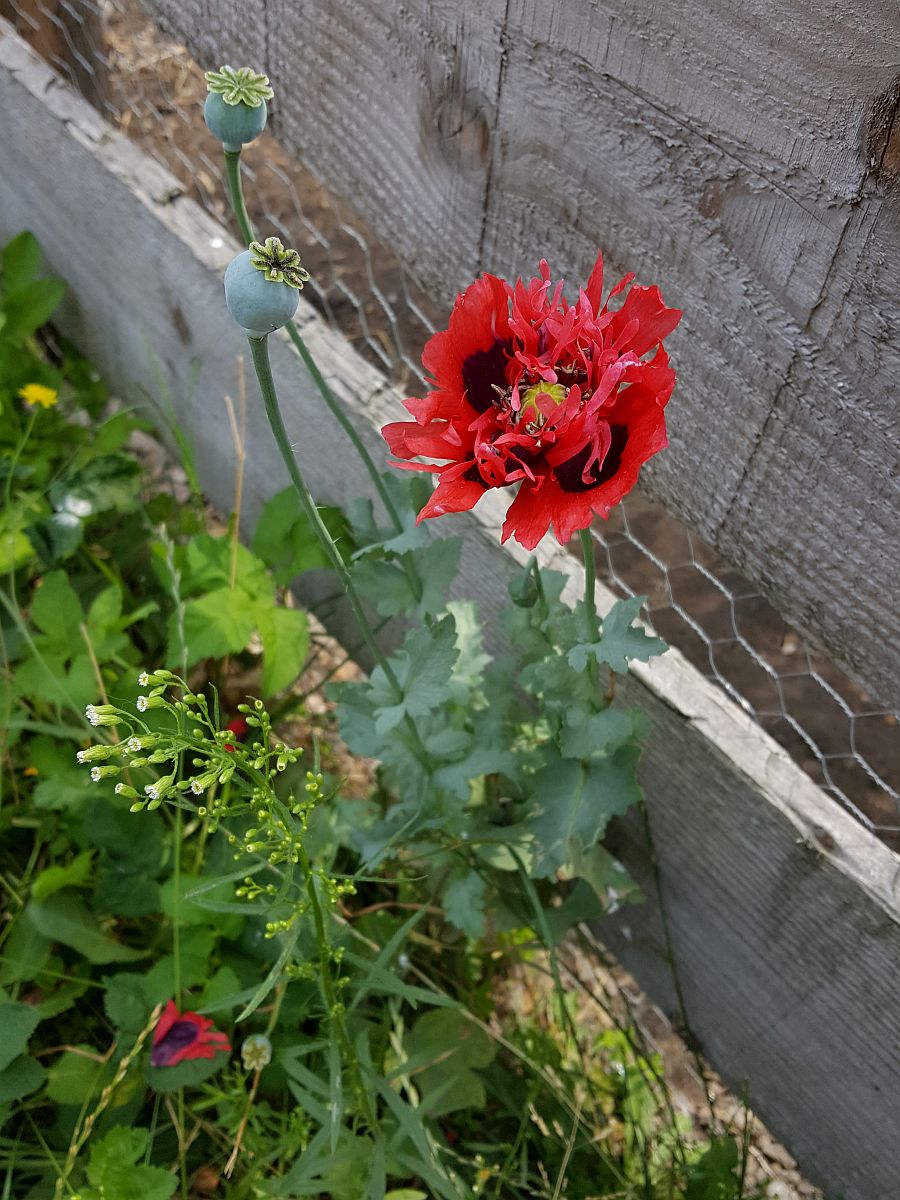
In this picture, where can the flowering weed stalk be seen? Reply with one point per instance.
(232, 784)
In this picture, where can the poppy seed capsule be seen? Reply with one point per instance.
(234, 124)
(259, 305)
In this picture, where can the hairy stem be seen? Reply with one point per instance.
(260, 352)
(591, 624)
(236, 195)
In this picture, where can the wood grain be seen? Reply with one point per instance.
(747, 156)
(785, 913)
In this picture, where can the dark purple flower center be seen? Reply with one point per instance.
(485, 371)
(569, 474)
(181, 1034)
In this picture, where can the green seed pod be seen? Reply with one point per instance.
(258, 301)
(235, 110)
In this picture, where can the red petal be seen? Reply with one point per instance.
(655, 321)
(594, 287)
(166, 1021)
(480, 317)
(454, 493)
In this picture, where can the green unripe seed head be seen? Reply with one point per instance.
(259, 305)
(235, 110)
(234, 124)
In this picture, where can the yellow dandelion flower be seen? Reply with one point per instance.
(36, 393)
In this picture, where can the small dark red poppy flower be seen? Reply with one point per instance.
(181, 1036)
(566, 402)
(239, 727)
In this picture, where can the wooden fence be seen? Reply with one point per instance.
(747, 156)
(785, 914)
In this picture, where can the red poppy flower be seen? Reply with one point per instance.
(180, 1036)
(239, 727)
(565, 401)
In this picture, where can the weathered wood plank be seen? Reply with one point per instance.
(785, 914)
(737, 153)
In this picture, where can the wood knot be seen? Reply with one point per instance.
(883, 136)
(456, 114)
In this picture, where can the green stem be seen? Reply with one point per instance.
(591, 624)
(337, 410)
(236, 195)
(259, 351)
(333, 1008)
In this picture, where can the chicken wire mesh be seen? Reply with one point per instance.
(148, 85)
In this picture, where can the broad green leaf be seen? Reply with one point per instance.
(472, 662)
(117, 890)
(110, 481)
(285, 638)
(586, 734)
(393, 588)
(386, 585)
(15, 549)
(286, 542)
(45, 676)
(31, 306)
(17, 1023)
(59, 995)
(21, 261)
(619, 640)
(110, 436)
(135, 842)
(23, 953)
(54, 878)
(573, 804)
(23, 1076)
(423, 668)
(207, 568)
(481, 756)
(104, 614)
(219, 623)
(194, 948)
(714, 1175)
(185, 1074)
(611, 882)
(57, 611)
(65, 918)
(115, 1171)
(125, 1002)
(201, 911)
(443, 1049)
(55, 537)
(464, 903)
(77, 1076)
(223, 986)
